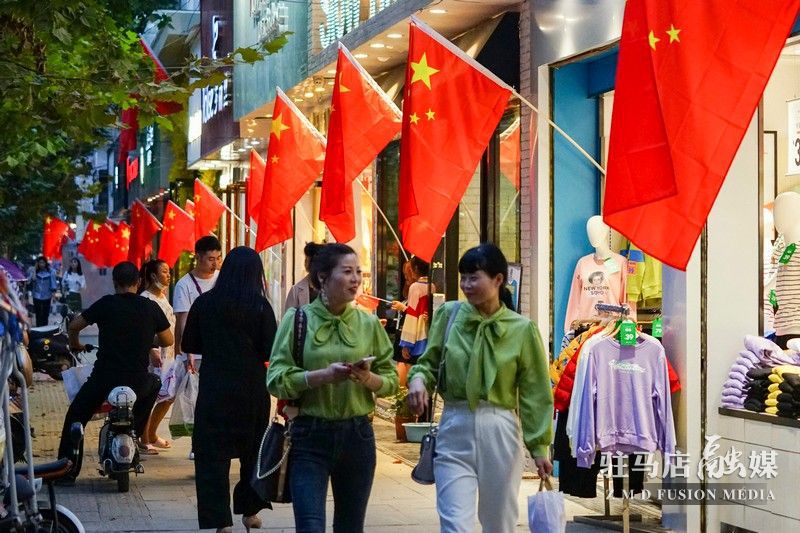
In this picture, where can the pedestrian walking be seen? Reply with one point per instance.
(201, 279)
(154, 285)
(332, 437)
(413, 333)
(232, 326)
(43, 285)
(494, 361)
(303, 292)
(73, 282)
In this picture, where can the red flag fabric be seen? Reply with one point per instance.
(510, 153)
(122, 237)
(107, 244)
(255, 185)
(144, 226)
(131, 170)
(55, 230)
(90, 244)
(295, 157)
(368, 301)
(160, 74)
(127, 136)
(363, 119)
(189, 207)
(451, 107)
(177, 234)
(208, 209)
(689, 77)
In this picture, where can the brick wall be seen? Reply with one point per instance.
(526, 211)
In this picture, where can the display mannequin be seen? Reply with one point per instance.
(770, 271)
(786, 258)
(599, 277)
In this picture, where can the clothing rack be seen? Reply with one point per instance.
(622, 310)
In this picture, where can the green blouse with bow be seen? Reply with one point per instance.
(344, 338)
(499, 359)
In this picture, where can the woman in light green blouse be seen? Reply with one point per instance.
(494, 363)
(332, 436)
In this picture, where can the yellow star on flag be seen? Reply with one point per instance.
(653, 40)
(275, 159)
(342, 88)
(673, 33)
(278, 126)
(423, 72)
(171, 215)
(96, 226)
(126, 233)
(48, 220)
(430, 113)
(414, 118)
(196, 198)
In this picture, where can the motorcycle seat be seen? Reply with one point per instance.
(47, 471)
(43, 331)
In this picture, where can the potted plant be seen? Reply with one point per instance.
(402, 414)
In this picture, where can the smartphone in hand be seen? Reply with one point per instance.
(364, 362)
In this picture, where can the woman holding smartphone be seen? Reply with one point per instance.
(332, 437)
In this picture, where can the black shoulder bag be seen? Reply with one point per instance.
(423, 472)
(271, 475)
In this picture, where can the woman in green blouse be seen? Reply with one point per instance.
(332, 436)
(495, 362)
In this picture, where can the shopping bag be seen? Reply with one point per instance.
(546, 510)
(181, 422)
(74, 378)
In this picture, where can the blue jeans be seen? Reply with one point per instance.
(342, 451)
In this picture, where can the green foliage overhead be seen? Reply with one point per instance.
(67, 68)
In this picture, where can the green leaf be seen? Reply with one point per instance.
(164, 123)
(62, 35)
(248, 55)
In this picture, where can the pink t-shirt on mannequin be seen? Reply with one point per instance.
(596, 281)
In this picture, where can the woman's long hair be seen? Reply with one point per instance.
(490, 259)
(240, 289)
(46, 263)
(149, 269)
(78, 270)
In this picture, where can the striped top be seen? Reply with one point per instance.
(787, 290)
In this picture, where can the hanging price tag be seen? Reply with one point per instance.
(773, 299)
(611, 266)
(658, 328)
(627, 334)
(787, 254)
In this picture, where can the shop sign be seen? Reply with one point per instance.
(343, 16)
(270, 18)
(216, 98)
(793, 137)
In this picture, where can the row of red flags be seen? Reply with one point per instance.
(108, 243)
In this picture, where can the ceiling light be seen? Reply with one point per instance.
(332, 71)
(242, 149)
(395, 35)
(389, 47)
(361, 56)
(438, 11)
(319, 89)
(377, 45)
(255, 142)
(383, 59)
(298, 100)
(330, 82)
(308, 94)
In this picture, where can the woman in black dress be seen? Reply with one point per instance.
(233, 327)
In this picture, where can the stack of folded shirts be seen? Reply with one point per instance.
(757, 390)
(784, 392)
(734, 389)
(769, 353)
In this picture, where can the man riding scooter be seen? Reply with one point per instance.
(129, 325)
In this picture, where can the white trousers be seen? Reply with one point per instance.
(478, 457)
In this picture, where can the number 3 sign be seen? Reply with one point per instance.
(793, 137)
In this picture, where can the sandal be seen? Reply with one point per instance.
(146, 449)
(164, 444)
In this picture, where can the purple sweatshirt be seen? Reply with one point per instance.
(626, 403)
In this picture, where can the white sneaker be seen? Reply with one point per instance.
(191, 456)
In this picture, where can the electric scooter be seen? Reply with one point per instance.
(117, 448)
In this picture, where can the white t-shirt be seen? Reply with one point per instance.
(168, 352)
(186, 293)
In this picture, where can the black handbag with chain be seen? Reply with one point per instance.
(271, 476)
(423, 472)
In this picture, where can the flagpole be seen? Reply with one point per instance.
(403, 250)
(471, 219)
(569, 139)
(248, 228)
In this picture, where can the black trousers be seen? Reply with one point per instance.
(94, 393)
(213, 488)
(42, 310)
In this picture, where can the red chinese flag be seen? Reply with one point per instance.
(127, 136)
(90, 244)
(122, 238)
(510, 153)
(208, 209)
(689, 78)
(363, 119)
(108, 242)
(144, 226)
(451, 107)
(255, 185)
(368, 301)
(162, 107)
(189, 207)
(177, 234)
(295, 157)
(131, 170)
(55, 230)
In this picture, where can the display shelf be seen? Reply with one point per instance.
(761, 417)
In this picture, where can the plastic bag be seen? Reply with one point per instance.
(181, 422)
(546, 510)
(74, 378)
